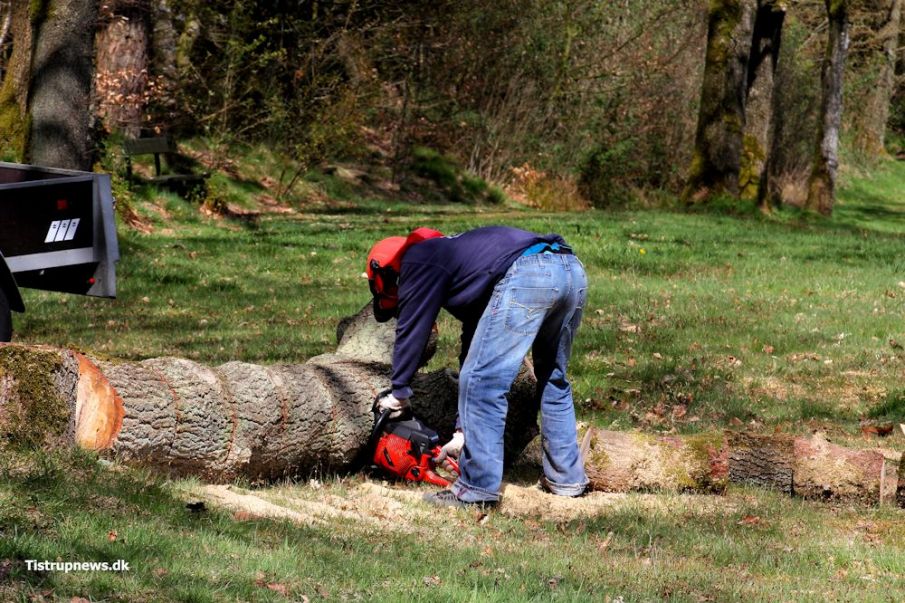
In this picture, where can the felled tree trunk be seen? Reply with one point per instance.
(238, 419)
(810, 467)
(268, 422)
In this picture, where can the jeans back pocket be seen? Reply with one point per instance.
(527, 308)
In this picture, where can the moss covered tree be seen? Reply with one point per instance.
(721, 119)
(46, 92)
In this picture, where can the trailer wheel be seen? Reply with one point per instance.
(6, 318)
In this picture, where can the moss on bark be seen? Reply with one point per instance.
(34, 406)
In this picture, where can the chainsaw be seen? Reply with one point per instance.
(406, 447)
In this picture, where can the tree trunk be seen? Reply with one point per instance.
(811, 467)
(822, 182)
(62, 72)
(14, 92)
(716, 161)
(268, 422)
(239, 419)
(757, 139)
(876, 114)
(121, 82)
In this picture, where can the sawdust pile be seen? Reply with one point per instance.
(380, 505)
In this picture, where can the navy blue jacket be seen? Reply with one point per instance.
(458, 273)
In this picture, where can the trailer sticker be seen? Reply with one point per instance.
(52, 232)
(70, 232)
(62, 230)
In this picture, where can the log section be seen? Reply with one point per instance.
(269, 422)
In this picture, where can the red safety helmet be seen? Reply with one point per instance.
(384, 265)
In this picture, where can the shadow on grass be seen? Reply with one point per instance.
(62, 506)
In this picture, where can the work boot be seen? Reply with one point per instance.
(446, 498)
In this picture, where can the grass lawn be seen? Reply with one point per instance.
(695, 321)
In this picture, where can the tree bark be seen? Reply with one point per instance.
(14, 92)
(876, 115)
(269, 422)
(822, 182)
(121, 80)
(62, 72)
(757, 138)
(810, 467)
(716, 161)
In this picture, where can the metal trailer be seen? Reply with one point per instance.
(57, 233)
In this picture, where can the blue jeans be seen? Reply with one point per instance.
(536, 306)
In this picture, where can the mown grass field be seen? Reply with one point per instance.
(695, 321)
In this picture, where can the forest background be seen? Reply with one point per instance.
(563, 104)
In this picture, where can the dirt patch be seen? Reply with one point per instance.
(389, 507)
(249, 504)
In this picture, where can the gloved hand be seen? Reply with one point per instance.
(452, 448)
(393, 404)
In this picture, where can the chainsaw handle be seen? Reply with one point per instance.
(448, 463)
(431, 477)
(452, 465)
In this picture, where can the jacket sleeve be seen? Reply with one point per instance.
(422, 293)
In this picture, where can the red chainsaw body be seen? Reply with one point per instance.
(406, 449)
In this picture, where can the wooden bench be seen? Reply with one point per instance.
(179, 177)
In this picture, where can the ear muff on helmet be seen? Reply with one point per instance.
(385, 288)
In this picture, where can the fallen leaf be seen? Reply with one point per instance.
(278, 588)
(431, 581)
(749, 520)
(679, 411)
(603, 545)
(881, 430)
(768, 349)
(79, 600)
(160, 572)
(735, 421)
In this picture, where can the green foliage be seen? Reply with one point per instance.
(496, 87)
(603, 176)
(797, 87)
(454, 182)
